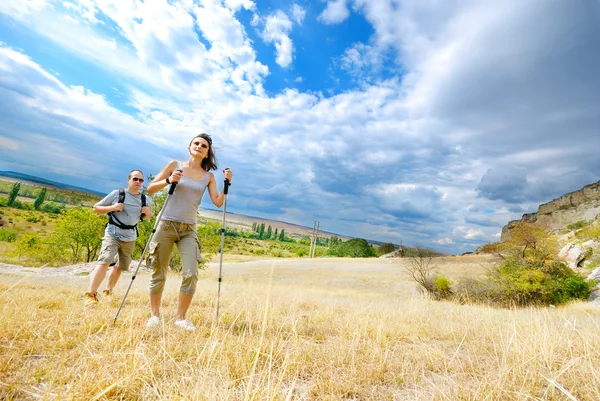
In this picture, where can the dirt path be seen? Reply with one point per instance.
(370, 276)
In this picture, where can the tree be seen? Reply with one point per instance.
(254, 226)
(282, 235)
(14, 192)
(275, 233)
(209, 235)
(385, 249)
(269, 232)
(530, 241)
(354, 248)
(421, 269)
(80, 230)
(40, 199)
(261, 231)
(333, 241)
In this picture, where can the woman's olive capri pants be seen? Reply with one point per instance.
(185, 236)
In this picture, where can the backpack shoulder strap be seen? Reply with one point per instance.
(112, 219)
(143, 205)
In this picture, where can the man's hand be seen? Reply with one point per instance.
(118, 207)
(145, 211)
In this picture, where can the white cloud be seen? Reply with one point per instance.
(8, 144)
(298, 13)
(362, 61)
(490, 114)
(468, 233)
(162, 34)
(335, 12)
(21, 8)
(236, 5)
(276, 30)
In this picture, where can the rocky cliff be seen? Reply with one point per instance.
(583, 204)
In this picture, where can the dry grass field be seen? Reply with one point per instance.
(290, 329)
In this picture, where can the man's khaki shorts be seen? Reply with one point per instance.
(111, 247)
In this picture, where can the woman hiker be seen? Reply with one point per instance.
(178, 224)
(124, 208)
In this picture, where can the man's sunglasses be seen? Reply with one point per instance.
(138, 179)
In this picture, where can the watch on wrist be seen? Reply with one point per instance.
(167, 180)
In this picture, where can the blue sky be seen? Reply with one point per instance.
(426, 122)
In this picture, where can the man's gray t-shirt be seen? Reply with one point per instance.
(129, 216)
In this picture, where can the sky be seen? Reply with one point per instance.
(425, 122)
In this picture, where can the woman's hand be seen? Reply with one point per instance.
(175, 176)
(228, 174)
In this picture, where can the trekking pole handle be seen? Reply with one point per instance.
(173, 185)
(226, 184)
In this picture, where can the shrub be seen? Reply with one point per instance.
(493, 247)
(521, 283)
(472, 290)
(443, 287)
(8, 235)
(591, 231)
(573, 287)
(577, 225)
(385, 249)
(29, 245)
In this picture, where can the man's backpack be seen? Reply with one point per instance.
(112, 219)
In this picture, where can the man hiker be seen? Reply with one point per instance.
(125, 207)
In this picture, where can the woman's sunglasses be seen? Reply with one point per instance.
(138, 179)
(202, 145)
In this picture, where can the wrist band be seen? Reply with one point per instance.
(167, 180)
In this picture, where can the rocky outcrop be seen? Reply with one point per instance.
(575, 254)
(581, 205)
(595, 295)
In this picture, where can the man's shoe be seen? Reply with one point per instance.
(154, 321)
(106, 293)
(185, 324)
(91, 299)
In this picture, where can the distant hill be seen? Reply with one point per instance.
(38, 180)
(245, 222)
(295, 231)
(232, 219)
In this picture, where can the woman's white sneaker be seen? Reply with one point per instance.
(185, 324)
(154, 321)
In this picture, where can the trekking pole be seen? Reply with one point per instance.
(225, 191)
(171, 190)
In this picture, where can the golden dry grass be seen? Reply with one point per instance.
(292, 330)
